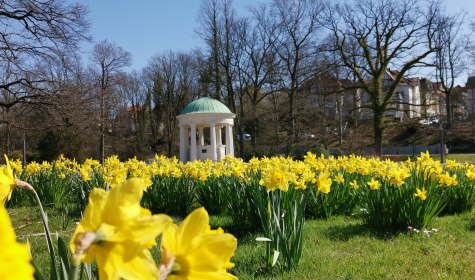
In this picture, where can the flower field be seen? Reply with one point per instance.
(273, 197)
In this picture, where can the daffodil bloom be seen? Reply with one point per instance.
(451, 164)
(33, 167)
(354, 184)
(424, 157)
(398, 175)
(85, 173)
(7, 182)
(194, 251)
(339, 178)
(471, 174)
(275, 179)
(16, 165)
(422, 194)
(324, 182)
(374, 184)
(447, 180)
(116, 232)
(14, 257)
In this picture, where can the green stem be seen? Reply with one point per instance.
(48, 237)
(74, 268)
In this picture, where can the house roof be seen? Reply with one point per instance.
(405, 80)
(205, 105)
(133, 108)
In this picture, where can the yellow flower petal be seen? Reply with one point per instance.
(125, 199)
(198, 251)
(7, 181)
(14, 257)
(194, 224)
(93, 213)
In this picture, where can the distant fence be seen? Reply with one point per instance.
(407, 150)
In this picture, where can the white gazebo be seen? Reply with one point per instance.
(201, 124)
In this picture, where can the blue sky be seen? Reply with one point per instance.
(149, 27)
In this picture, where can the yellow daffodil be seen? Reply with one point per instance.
(46, 166)
(116, 232)
(471, 174)
(85, 173)
(14, 257)
(194, 251)
(339, 178)
(422, 194)
(374, 184)
(398, 175)
(7, 181)
(275, 179)
(447, 180)
(451, 164)
(16, 165)
(354, 184)
(424, 157)
(33, 167)
(324, 182)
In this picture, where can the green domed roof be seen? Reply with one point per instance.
(205, 105)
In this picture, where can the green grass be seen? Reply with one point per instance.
(338, 248)
(461, 158)
(345, 249)
(28, 227)
(469, 158)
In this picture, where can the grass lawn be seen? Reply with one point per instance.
(461, 158)
(338, 248)
(470, 158)
(342, 248)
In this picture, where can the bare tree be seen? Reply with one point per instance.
(371, 36)
(449, 63)
(257, 65)
(209, 32)
(174, 86)
(108, 63)
(59, 119)
(231, 52)
(32, 32)
(135, 115)
(298, 24)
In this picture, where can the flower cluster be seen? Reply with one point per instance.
(271, 194)
(117, 233)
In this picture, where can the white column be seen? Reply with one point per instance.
(201, 136)
(183, 138)
(193, 142)
(219, 140)
(212, 129)
(187, 143)
(229, 141)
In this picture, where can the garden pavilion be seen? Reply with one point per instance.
(201, 124)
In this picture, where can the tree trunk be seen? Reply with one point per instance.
(378, 132)
(448, 109)
(291, 123)
(102, 123)
(240, 138)
(254, 125)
